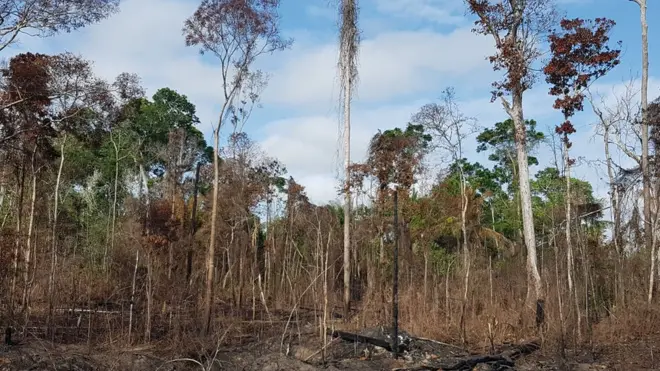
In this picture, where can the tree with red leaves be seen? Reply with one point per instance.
(515, 26)
(580, 55)
(236, 32)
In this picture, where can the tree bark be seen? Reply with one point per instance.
(569, 241)
(646, 178)
(347, 199)
(348, 44)
(28, 243)
(193, 225)
(130, 313)
(515, 111)
(19, 231)
(53, 252)
(616, 217)
(210, 254)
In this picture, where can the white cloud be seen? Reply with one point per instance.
(327, 12)
(391, 65)
(310, 146)
(438, 11)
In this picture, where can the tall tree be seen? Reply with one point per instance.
(236, 32)
(646, 175)
(515, 26)
(580, 55)
(349, 40)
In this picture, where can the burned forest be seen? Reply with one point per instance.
(272, 185)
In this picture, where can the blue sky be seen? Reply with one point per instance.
(411, 51)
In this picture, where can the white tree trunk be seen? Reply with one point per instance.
(53, 252)
(347, 196)
(569, 242)
(130, 313)
(515, 111)
(210, 254)
(27, 249)
(645, 127)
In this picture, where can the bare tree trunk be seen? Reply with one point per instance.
(53, 252)
(28, 243)
(569, 242)
(149, 294)
(130, 313)
(466, 253)
(210, 254)
(490, 258)
(646, 176)
(193, 226)
(3, 189)
(447, 307)
(615, 213)
(426, 276)
(113, 222)
(325, 293)
(570, 259)
(347, 202)
(515, 111)
(19, 232)
(559, 301)
(651, 274)
(348, 46)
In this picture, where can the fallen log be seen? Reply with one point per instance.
(357, 338)
(503, 359)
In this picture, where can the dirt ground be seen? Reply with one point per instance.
(302, 352)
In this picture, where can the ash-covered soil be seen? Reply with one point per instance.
(302, 351)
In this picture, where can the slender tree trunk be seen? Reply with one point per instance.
(466, 255)
(53, 252)
(347, 200)
(325, 292)
(447, 306)
(193, 226)
(114, 204)
(426, 276)
(149, 294)
(533, 277)
(348, 44)
(569, 241)
(19, 232)
(490, 257)
(174, 175)
(615, 216)
(3, 189)
(130, 313)
(646, 176)
(570, 259)
(395, 277)
(210, 254)
(28, 243)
